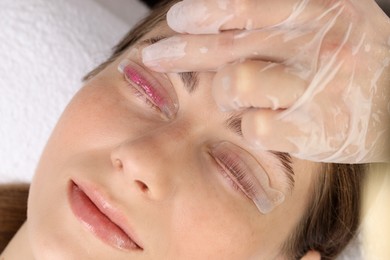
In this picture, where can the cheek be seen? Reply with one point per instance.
(98, 116)
(211, 226)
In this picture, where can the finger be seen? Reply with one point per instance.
(256, 84)
(204, 16)
(312, 255)
(298, 134)
(182, 53)
(264, 130)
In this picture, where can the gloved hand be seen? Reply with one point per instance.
(312, 77)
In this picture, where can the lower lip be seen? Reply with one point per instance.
(98, 223)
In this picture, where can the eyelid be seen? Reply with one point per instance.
(161, 95)
(261, 193)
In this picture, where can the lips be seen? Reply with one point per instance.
(100, 218)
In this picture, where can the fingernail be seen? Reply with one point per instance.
(169, 49)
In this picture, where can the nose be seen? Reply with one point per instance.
(150, 164)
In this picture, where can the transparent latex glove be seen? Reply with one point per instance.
(311, 76)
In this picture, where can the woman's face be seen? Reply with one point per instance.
(171, 184)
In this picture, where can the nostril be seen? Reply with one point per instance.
(118, 164)
(119, 167)
(142, 186)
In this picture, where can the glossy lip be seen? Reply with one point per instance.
(107, 209)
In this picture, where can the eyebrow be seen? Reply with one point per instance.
(190, 82)
(286, 164)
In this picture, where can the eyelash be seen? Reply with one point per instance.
(236, 174)
(145, 100)
(157, 94)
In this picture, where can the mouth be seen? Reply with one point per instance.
(100, 218)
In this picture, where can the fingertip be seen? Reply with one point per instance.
(263, 130)
(312, 255)
(175, 17)
(229, 91)
(148, 59)
(199, 17)
(159, 55)
(155, 66)
(255, 128)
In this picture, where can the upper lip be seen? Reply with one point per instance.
(101, 201)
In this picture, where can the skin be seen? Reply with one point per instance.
(315, 74)
(188, 210)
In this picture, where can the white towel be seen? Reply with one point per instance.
(45, 49)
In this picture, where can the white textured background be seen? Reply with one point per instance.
(45, 49)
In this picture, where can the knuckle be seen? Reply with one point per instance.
(225, 43)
